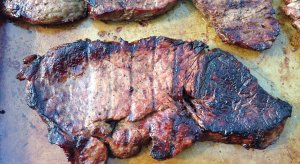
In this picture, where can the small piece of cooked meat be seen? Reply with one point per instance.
(136, 10)
(292, 9)
(247, 23)
(45, 11)
(171, 92)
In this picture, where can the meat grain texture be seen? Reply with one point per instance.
(45, 11)
(247, 23)
(292, 9)
(136, 10)
(99, 97)
(62, 11)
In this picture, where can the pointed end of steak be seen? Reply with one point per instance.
(30, 68)
(231, 106)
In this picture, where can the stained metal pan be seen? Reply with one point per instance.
(23, 136)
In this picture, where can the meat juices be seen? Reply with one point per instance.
(99, 95)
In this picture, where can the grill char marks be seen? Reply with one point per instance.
(159, 89)
(136, 10)
(80, 86)
(232, 107)
(45, 12)
(171, 131)
(292, 9)
(247, 23)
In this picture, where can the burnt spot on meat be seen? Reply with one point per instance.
(230, 102)
(29, 59)
(29, 69)
(99, 97)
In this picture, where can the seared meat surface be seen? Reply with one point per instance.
(292, 9)
(168, 92)
(137, 10)
(247, 23)
(230, 103)
(45, 11)
(62, 11)
(170, 131)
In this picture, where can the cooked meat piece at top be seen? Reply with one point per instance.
(292, 9)
(45, 11)
(156, 88)
(135, 10)
(247, 23)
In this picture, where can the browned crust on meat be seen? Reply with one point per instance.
(292, 9)
(44, 12)
(128, 10)
(159, 89)
(258, 141)
(246, 23)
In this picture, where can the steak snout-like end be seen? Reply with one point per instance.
(230, 105)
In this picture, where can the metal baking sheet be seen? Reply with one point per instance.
(23, 136)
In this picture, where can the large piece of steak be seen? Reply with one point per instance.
(119, 96)
(136, 10)
(45, 11)
(292, 9)
(247, 23)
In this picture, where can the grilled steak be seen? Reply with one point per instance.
(62, 11)
(45, 11)
(169, 92)
(247, 23)
(137, 10)
(292, 9)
